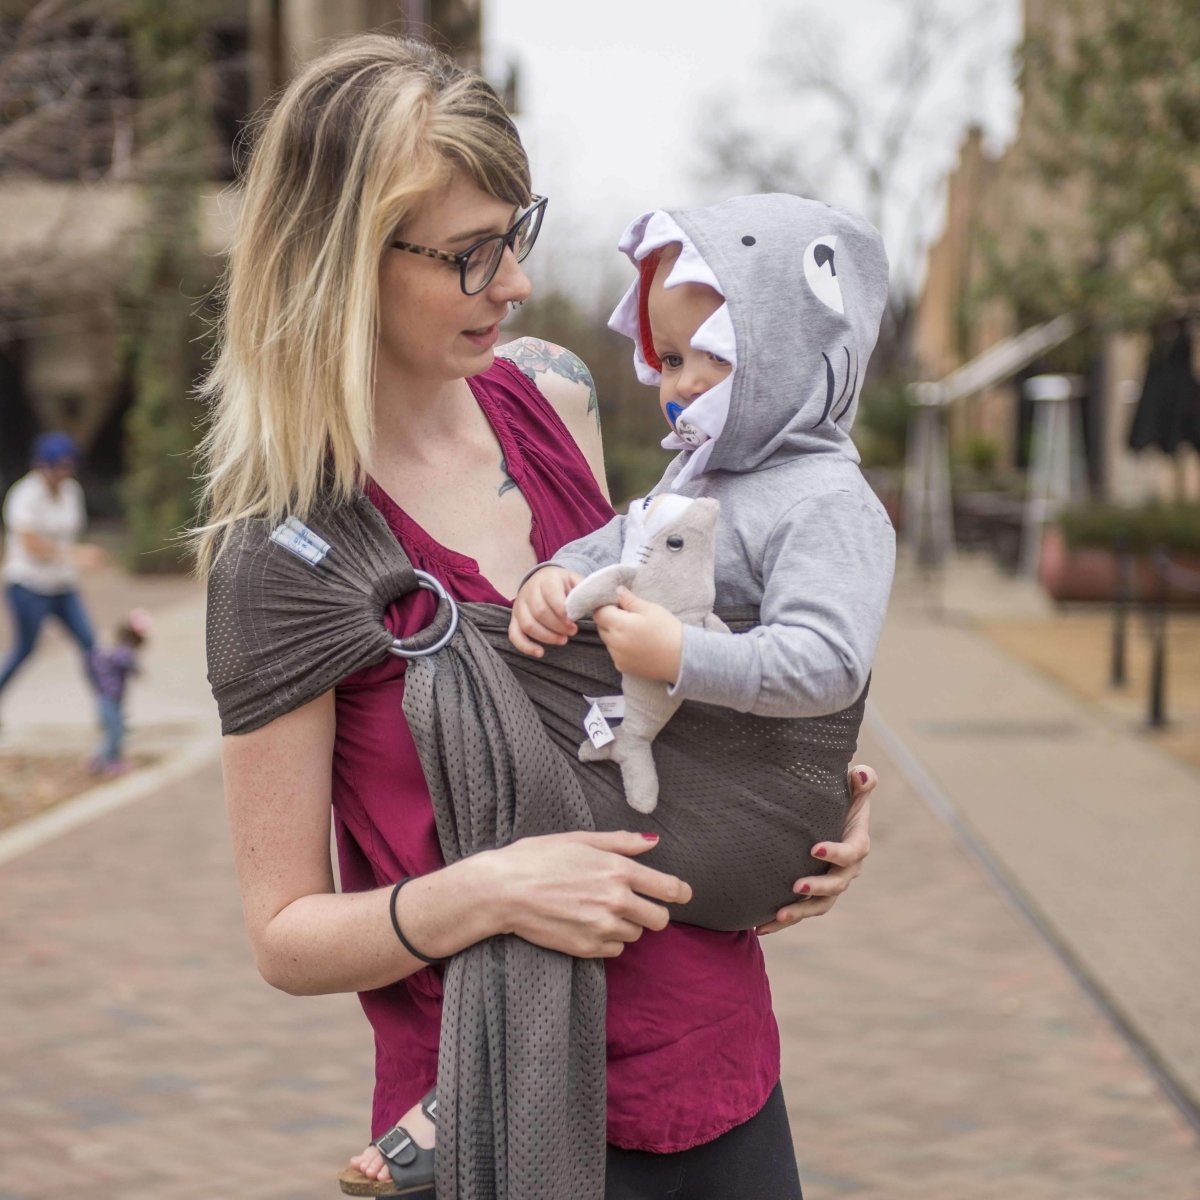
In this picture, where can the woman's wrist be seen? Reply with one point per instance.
(448, 910)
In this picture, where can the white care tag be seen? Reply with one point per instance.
(612, 707)
(597, 728)
(296, 537)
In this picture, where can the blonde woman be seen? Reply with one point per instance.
(387, 207)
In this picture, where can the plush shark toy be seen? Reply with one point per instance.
(668, 558)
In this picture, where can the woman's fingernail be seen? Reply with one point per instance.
(820, 852)
(861, 776)
(650, 837)
(804, 889)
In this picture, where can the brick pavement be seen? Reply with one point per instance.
(934, 1047)
(142, 1052)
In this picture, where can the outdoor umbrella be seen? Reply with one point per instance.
(1168, 411)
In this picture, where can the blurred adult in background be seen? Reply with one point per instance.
(44, 515)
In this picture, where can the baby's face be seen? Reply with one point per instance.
(675, 315)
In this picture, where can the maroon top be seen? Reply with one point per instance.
(693, 1048)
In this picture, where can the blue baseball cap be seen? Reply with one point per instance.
(53, 449)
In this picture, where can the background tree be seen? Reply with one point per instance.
(874, 131)
(170, 49)
(1112, 94)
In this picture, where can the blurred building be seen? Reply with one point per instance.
(992, 201)
(71, 200)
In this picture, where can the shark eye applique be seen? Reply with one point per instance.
(674, 542)
(820, 271)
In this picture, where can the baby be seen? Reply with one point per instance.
(755, 319)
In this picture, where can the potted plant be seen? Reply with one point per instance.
(1080, 555)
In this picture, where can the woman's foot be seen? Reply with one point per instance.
(420, 1128)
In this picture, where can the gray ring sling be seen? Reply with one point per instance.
(293, 609)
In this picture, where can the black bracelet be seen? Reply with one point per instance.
(400, 933)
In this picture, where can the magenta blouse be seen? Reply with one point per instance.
(693, 1049)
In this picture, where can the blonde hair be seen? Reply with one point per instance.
(355, 144)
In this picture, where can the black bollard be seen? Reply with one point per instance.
(1123, 596)
(1158, 641)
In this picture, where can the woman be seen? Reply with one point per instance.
(44, 515)
(386, 208)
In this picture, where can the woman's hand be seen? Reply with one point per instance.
(583, 893)
(821, 891)
(539, 613)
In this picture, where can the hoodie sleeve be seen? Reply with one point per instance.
(600, 548)
(827, 571)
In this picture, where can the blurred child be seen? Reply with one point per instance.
(111, 669)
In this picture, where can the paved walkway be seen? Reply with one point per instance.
(935, 1045)
(1095, 829)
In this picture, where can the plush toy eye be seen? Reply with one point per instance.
(674, 542)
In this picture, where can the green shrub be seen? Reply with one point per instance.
(981, 454)
(1139, 529)
(881, 426)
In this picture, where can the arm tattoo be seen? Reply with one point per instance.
(508, 482)
(532, 355)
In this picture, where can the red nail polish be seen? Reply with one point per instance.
(804, 889)
(650, 837)
(820, 852)
(862, 776)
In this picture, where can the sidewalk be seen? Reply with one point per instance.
(1095, 829)
(935, 1046)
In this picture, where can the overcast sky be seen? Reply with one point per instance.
(614, 96)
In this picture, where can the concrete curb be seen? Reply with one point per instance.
(71, 814)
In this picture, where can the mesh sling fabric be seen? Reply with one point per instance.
(521, 1075)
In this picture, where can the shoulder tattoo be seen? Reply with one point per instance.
(507, 482)
(533, 356)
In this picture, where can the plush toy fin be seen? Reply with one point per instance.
(599, 588)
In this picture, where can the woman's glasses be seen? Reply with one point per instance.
(478, 264)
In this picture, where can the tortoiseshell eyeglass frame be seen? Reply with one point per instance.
(507, 240)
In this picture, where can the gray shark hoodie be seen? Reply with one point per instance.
(801, 536)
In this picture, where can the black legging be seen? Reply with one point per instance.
(754, 1161)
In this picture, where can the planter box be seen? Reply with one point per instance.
(1090, 574)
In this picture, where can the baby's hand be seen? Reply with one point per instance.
(539, 613)
(642, 638)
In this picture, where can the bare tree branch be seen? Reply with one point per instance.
(865, 141)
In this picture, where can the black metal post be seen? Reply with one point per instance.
(1158, 641)
(1117, 676)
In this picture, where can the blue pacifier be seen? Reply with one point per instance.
(674, 411)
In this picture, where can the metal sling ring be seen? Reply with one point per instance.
(401, 647)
